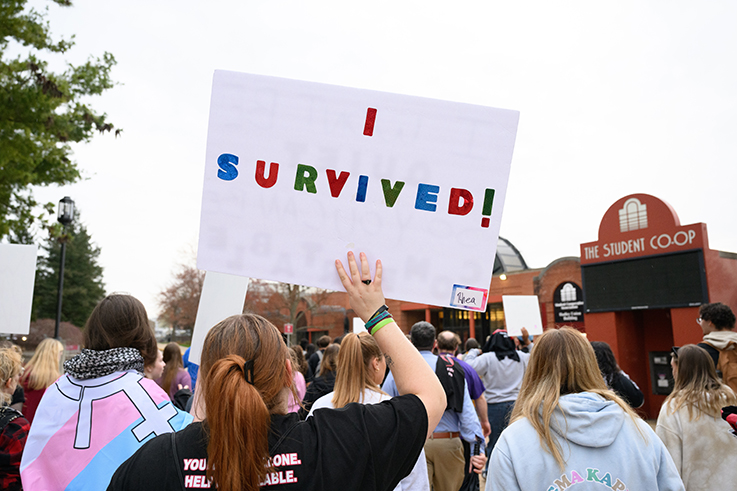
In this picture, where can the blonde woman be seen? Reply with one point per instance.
(41, 371)
(13, 426)
(361, 368)
(690, 423)
(568, 428)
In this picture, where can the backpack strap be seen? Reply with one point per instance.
(713, 352)
(177, 460)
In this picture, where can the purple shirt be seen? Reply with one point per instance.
(473, 381)
(182, 377)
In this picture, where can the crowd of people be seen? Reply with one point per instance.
(375, 410)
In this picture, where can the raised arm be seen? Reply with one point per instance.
(411, 373)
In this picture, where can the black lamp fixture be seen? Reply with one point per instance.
(66, 211)
(65, 217)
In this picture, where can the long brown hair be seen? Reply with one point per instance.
(239, 397)
(354, 373)
(697, 386)
(329, 361)
(298, 360)
(561, 362)
(120, 321)
(45, 366)
(173, 359)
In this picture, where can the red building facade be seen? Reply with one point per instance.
(644, 280)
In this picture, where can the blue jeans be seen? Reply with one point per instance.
(499, 414)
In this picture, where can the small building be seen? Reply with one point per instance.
(643, 282)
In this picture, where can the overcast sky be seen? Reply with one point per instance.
(615, 98)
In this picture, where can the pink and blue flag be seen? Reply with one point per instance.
(84, 429)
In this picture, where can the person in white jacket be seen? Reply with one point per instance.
(699, 440)
(569, 429)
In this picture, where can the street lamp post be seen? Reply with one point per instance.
(65, 217)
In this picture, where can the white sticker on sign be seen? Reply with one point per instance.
(469, 298)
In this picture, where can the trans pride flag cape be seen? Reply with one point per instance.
(84, 429)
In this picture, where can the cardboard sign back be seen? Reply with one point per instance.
(222, 295)
(297, 174)
(17, 277)
(522, 311)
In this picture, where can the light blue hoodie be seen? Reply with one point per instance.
(603, 451)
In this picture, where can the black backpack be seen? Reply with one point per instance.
(8, 414)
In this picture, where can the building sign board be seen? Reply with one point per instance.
(568, 303)
(642, 225)
(644, 259)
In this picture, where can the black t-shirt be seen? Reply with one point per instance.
(318, 388)
(18, 395)
(627, 390)
(357, 447)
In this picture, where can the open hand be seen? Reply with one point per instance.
(365, 298)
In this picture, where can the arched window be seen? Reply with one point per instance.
(632, 216)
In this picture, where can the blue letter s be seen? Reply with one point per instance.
(227, 163)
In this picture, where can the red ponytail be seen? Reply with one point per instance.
(239, 399)
(238, 426)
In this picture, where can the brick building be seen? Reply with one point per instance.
(511, 276)
(638, 288)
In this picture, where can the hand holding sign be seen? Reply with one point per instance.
(365, 298)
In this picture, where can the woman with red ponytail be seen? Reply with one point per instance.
(247, 440)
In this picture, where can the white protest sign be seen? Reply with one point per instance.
(223, 295)
(17, 277)
(297, 174)
(522, 311)
(358, 325)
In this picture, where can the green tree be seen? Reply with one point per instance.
(83, 286)
(41, 114)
